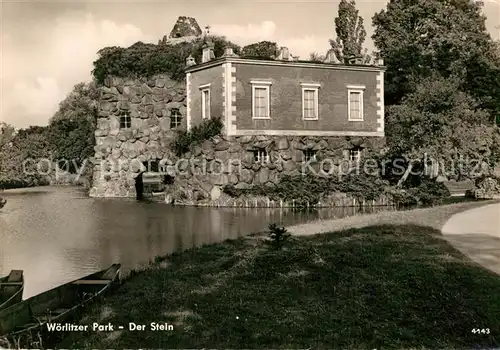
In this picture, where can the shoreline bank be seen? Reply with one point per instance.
(238, 293)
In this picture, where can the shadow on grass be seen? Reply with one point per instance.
(376, 287)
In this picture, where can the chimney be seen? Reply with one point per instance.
(380, 61)
(228, 52)
(208, 52)
(190, 61)
(285, 54)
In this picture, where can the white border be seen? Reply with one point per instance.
(203, 109)
(261, 85)
(310, 85)
(357, 89)
(179, 116)
(240, 60)
(261, 82)
(380, 102)
(314, 89)
(240, 132)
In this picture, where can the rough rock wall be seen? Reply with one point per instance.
(184, 27)
(201, 174)
(121, 151)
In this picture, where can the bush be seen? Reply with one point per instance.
(428, 192)
(199, 133)
(278, 235)
(232, 191)
(308, 189)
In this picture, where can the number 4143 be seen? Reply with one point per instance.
(480, 330)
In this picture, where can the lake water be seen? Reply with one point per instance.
(58, 234)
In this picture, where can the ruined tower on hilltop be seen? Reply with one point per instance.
(185, 29)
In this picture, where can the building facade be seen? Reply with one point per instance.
(289, 98)
(257, 97)
(278, 116)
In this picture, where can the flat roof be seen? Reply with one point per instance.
(266, 62)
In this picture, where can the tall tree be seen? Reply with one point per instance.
(419, 38)
(80, 104)
(23, 161)
(351, 33)
(72, 142)
(71, 130)
(7, 133)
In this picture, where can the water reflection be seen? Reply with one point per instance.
(57, 234)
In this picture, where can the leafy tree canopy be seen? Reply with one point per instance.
(72, 142)
(351, 34)
(19, 158)
(81, 103)
(71, 130)
(419, 38)
(147, 60)
(439, 121)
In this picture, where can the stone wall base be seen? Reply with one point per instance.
(201, 173)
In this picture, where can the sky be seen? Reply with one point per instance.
(47, 47)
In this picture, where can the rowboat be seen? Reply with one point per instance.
(11, 288)
(56, 305)
(3, 201)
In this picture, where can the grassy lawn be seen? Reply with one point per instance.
(433, 217)
(386, 286)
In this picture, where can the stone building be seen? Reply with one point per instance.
(136, 123)
(281, 117)
(284, 97)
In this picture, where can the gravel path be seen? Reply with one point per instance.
(483, 220)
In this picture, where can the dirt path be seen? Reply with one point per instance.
(476, 233)
(483, 220)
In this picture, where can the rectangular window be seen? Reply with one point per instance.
(309, 155)
(355, 102)
(175, 118)
(261, 156)
(261, 100)
(152, 166)
(125, 121)
(205, 103)
(355, 155)
(310, 104)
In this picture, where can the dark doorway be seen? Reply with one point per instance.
(139, 186)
